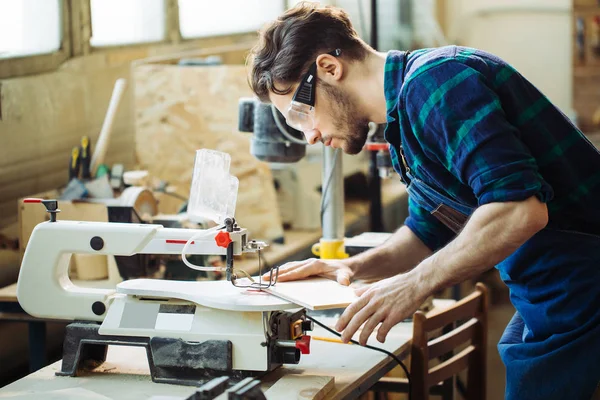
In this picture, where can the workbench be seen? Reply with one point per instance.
(296, 246)
(125, 374)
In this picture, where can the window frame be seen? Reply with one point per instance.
(76, 22)
(38, 63)
(167, 21)
(286, 5)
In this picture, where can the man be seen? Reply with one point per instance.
(496, 176)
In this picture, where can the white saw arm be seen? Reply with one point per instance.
(44, 289)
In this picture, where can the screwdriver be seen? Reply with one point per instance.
(74, 164)
(86, 157)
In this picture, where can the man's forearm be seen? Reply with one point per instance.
(401, 252)
(493, 233)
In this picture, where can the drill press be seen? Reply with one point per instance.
(275, 141)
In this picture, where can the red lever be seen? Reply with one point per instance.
(303, 344)
(32, 200)
(223, 239)
(374, 146)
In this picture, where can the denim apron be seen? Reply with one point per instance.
(551, 347)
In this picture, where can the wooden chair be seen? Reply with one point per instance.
(439, 379)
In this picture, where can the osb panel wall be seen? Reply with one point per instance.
(179, 109)
(43, 116)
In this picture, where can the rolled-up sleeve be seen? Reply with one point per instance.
(460, 123)
(426, 227)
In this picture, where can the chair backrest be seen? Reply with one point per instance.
(473, 311)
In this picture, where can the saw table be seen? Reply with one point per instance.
(125, 373)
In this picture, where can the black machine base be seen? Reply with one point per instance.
(173, 361)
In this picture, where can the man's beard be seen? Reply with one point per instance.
(348, 121)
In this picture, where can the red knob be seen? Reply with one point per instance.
(303, 344)
(223, 239)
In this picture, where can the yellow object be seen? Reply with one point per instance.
(329, 249)
(74, 156)
(85, 141)
(296, 329)
(326, 339)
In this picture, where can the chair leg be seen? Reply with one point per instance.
(448, 389)
(380, 395)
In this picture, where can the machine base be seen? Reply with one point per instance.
(173, 361)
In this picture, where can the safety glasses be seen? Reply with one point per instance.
(301, 113)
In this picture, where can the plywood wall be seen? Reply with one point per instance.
(179, 109)
(43, 116)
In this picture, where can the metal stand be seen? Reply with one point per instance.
(333, 192)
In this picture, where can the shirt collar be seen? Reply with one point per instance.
(392, 80)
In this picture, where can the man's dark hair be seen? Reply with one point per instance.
(288, 45)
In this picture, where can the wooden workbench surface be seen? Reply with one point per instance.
(9, 293)
(125, 374)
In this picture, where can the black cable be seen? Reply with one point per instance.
(390, 354)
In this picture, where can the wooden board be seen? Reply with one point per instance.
(300, 387)
(180, 109)
(9, 293)
(315, 293)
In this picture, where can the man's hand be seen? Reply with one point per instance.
(338, 270)
(388, 302)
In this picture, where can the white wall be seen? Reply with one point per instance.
(535, 36)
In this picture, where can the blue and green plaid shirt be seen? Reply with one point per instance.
(476, 130)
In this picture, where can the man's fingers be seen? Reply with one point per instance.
(361, 290)
(289, 267)
(384, 329)
(299, 273)
(356, 322)
(370, 325)
(352, 309)
(343, 278)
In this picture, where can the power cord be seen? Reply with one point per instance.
(388, 353)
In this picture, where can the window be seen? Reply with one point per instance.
(29, 27)
(198, 18)
(119, 22)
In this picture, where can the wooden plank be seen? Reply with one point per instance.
(300, 387)
(315, 293)
(9, 293)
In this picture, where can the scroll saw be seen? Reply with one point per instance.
(192, 331)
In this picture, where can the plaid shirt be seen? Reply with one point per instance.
(473, 128)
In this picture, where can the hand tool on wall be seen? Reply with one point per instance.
(104, 138)
(85, 157)
(74, 164)
(79, 163)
